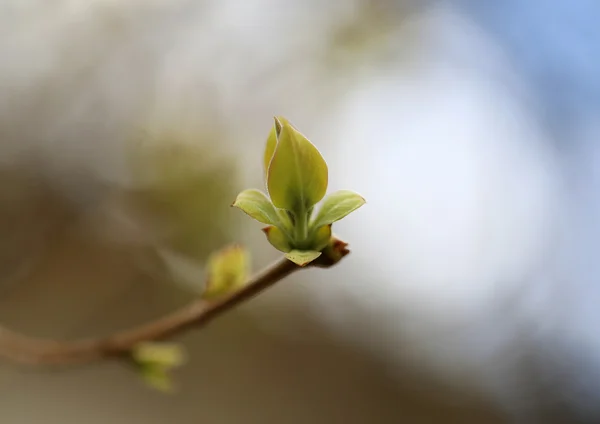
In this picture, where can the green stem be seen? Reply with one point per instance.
(286, 224)
(301, 226)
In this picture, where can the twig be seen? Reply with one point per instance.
(24, 349)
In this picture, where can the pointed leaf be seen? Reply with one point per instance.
(302, 257)
(227, 271)
(321, 238)
(277, 239)
(256, 204)
(297, 177)
(270, 149)
(336, 206)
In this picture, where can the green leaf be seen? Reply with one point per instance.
(277, 239)
(336, 206)
(155, 361)
(227, 271)
(256, 204)
(270, 149)
(321, 238)
(297, 175)
(302, 257)
(158, 378)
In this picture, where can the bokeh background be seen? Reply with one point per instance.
(471, 295)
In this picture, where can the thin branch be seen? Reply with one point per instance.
(29, 350)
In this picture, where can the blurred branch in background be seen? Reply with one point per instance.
(179, 180)
(30, 350)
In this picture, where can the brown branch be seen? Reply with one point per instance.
(29, 350)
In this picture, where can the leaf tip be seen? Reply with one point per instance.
(278, 124)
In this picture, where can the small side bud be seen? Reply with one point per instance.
(155, 361)
(228, 271)
(333, 253)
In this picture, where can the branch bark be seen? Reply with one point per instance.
(28, 350)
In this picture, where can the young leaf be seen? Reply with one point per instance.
(256, 204)
(297, 175)
(321, 238)
(302, 257)
(270, 149)
(227, 271)
(157, 377)
(277, 239)
(155, 360)
(336, 206)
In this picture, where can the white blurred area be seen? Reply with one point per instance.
(463, 216)
(458, 267)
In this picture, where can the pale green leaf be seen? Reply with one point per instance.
(157, 377)
(298, 175)
(227, 271)
(270, 149)
(321, 237)
(302, 257)
(336, 206)
(155, 360)
(256, 204)
(277, 238)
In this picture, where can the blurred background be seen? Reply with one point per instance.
(471, 294)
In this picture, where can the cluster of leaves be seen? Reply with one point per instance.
(296, 180)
